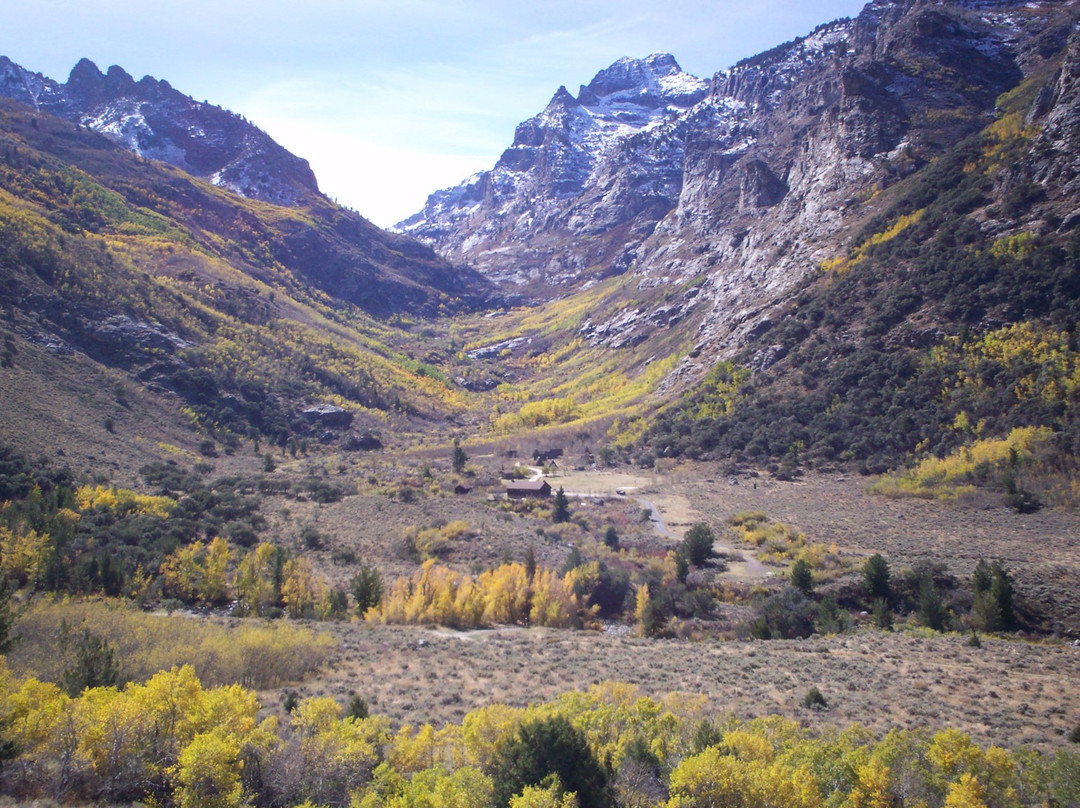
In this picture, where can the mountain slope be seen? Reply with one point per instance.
(237, 313)
(946, 329)
(748, 189)
(872, 258)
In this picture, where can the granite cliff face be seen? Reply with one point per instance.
(739, 195)
(156, 121)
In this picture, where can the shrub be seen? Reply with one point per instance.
(95, 666)
(814, 700)
(876, 577)
(611, 537)
(292, 700)
(802, 578)
(458, 458)
(931, 609)
(311, 538)
(367, 589)
(546, 747)
(786, 615)
(698, 544)
(993, 609)
(883, 617)
(357, 709)
(561, 511)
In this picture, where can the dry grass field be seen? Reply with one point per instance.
(1041, 549)
(1006, 692)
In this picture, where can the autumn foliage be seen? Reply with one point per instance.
(438, 595)
(171, 741)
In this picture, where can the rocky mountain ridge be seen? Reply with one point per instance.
(549, 185)
(156, 121)
(739, 196)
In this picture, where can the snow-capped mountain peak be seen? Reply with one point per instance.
(555, 156)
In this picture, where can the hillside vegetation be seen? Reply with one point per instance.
(935, 332)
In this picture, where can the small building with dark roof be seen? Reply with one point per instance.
(523, 489)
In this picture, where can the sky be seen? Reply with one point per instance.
(390, 101)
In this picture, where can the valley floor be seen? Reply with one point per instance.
(1008, 691)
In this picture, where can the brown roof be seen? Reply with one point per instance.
(528, 485)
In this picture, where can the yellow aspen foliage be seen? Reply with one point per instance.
(641, 603)
(24, 555)
(871, 788)
(255, 575)
(485, 729)
(415, 750)
(123, 500)
(138, 584)
(952, 753)
(469, 604)
(386, 784)
(231, 708)
(748, 746)
(583, 578)
(412, 750)
(208, 772)
(998, 773)
(117, 740)
(463, 788)
(506, 594)
(553, 604)
(450, 746)
(435, 787)
(182, 572)
(29, 710)
(614, 716)
(300, 590)
(215, 582)
(255, 654)
(439, 595)
(197, 572)
(336, 754)
(316, 715)
(713, 779)
(550, 796)
(966, 792)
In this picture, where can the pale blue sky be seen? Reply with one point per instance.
(390, 101)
